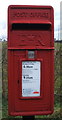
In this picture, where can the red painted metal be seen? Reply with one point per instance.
(30, 28)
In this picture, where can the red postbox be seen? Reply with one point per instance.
(30, 60)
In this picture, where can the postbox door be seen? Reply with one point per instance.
(44, 100)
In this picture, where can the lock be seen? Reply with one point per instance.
(31, 54)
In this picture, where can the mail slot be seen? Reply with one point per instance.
(30, 60)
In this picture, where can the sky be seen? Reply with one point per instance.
(4, 14)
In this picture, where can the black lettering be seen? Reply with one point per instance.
(29, 66)
(29, 77)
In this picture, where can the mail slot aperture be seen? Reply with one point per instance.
(31, 26)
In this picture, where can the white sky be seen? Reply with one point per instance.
(5, 3)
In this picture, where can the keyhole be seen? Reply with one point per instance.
(18, 81)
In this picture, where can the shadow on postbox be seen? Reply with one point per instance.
(30, 60)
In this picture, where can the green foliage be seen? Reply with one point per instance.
(4, 59)
(4, 69)
(57, 71)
